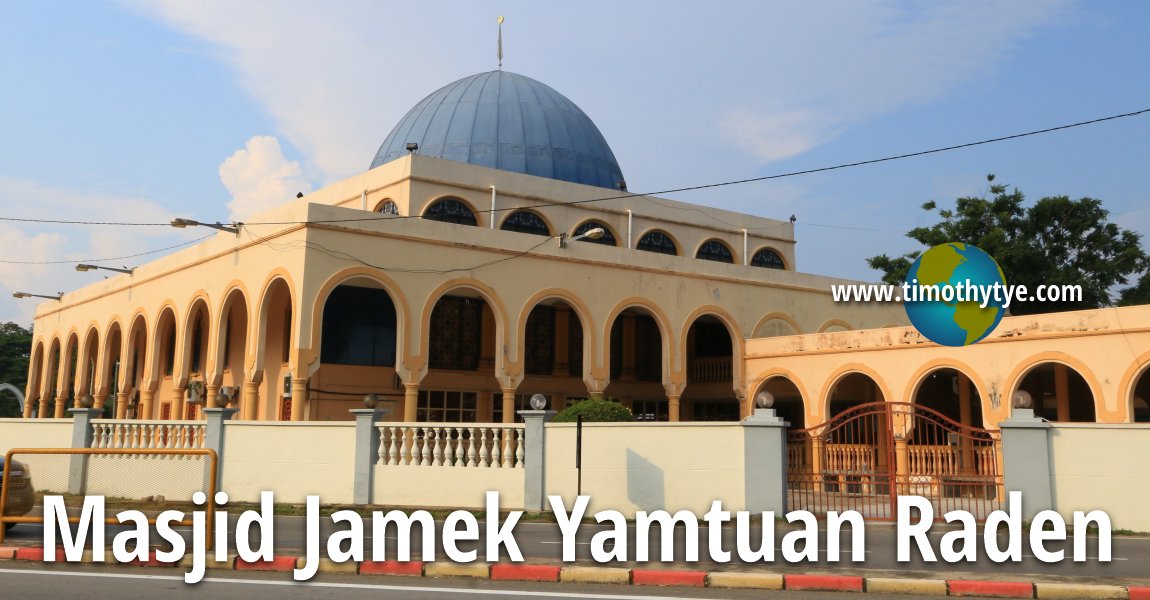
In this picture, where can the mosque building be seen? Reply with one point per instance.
(489, 253)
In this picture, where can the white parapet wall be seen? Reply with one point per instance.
(1102, 467)
(649, 466)
(35, 433)
(294, 460)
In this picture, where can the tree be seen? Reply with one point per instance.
(595, 409)
(15, 352)
(1055, 241)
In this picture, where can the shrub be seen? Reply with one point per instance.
(595, 410)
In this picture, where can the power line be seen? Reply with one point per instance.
(661, 192)
(84, 260)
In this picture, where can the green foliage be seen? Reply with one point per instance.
(1055, 241)
(603, 410)
(15, 351)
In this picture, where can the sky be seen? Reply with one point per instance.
(214, 110)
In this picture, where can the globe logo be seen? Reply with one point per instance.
(948, 294)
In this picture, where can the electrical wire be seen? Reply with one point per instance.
(661, 192)
(92, 260)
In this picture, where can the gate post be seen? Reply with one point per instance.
(535, 457)
(367, 439)
(214, 440)
(81, 438)
(765, 462)
(1026, 460)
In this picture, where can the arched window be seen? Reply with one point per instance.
(768, 259)
(657, 241)
(388, 208)
(450, 210)
(525, 221)
(608, 238)
(716, 251)
(359, 326)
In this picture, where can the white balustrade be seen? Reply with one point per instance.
(490, 446)
(148, 435)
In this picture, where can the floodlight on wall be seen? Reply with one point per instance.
(86, 267)
(592, 234)
(27, 295)
(538, 402)
(412, 147)
(182, 223)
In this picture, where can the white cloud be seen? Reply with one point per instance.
(684, 94)
(66, 245)
(259, 177)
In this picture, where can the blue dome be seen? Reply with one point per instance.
(509, 122)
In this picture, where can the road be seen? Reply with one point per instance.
(35, 582)
(542, 542)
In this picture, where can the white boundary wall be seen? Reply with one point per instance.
(648, 466)
(35, 433)
(1102, 467)
(294, 460)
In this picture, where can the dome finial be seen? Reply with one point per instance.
(500, 53)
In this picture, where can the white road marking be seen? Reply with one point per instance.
(354, 586)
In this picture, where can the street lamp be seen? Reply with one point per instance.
(592, 234)
(86, 267)
(27, 295)
(182, 223)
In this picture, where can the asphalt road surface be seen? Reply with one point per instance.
(35, 582)
(542, 542)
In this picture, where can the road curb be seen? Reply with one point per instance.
(991, 589)
(652, 577)
(668, 577)
(823, 583)
(890, 585)
(277, 563)
(518, 572)
(391, 567)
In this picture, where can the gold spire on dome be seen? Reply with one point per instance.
(500, 53)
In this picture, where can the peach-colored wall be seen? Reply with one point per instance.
(1109, 348)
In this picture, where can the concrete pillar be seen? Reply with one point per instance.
(1062, 392)
(214, 438)
(966, 417)
(121, 405)
(673, 407)
(81, 438)
(508, 405)
(535, 457)
(367, 439)
(43, 411)
(147, 400)
(211, 396)
(901, 464)
(178, 404)
(98, 400)
(251, 398)
(61, 402)
(410, 402)
(1026, 460)
(765, 462)
(299, 403)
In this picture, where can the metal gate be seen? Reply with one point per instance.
(867, 456)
